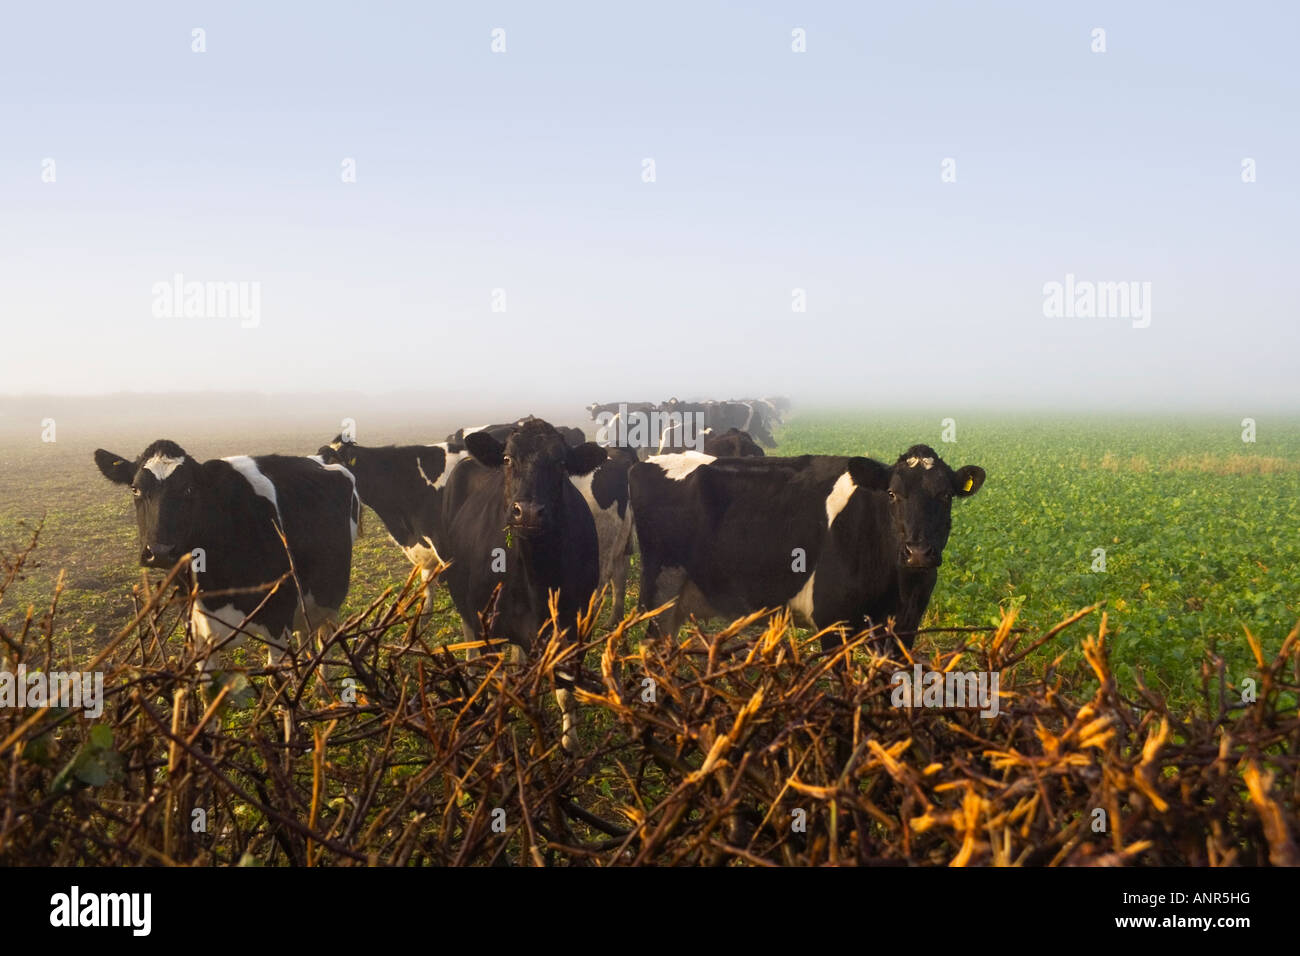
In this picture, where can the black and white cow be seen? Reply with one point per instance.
(733, 443)
(515, 521)
(404, 485)
(753, 416)
(234, 509)
(836, 540)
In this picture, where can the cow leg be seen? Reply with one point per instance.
(690, 602)
(430, 581)
(619, 580)
(319, 625)
(832, 639)
(568, 718)
(659, 586)
(471, 634)
(277, 649)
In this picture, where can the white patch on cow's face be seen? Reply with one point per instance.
(253, 475)
(926, 463)
(839, 497)
(162, 466)
(678, 466)
(801, 605)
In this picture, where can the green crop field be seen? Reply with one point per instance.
(1199, 530)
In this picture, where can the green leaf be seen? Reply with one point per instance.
(95, 764)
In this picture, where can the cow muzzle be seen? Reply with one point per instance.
(158, 556)
(526, 517)
(919, 557)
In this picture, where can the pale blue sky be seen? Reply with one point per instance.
(775, 170)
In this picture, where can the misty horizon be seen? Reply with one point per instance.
(1021, 208)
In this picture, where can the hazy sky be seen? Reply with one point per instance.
(774, 171)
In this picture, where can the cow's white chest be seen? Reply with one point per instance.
(219, 623)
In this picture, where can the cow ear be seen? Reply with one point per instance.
(586, 457)
(967, 481)
(115, 468)
(485, 449)
(868, 473)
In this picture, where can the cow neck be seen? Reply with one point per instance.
(543, 553)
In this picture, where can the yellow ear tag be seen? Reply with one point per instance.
(352, 461)
(970, 482)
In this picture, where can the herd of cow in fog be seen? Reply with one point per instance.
(507, 516)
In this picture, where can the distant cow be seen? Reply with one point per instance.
(836, 540)
(234, 510)
(677, 425)
(733, 443)
(515, 521)
(404, 485)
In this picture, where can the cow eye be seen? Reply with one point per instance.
(505, 459)
(892, 496)
(135, 491)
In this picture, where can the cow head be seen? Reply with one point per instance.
(165, 483)
(537, 462)
(339, 451)
(920, 488)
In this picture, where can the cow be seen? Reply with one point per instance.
(754, 416)
(235, 509)
(733, 443)
(677, 425)
(611, 409)
(836, 540)
(515, 522)
(404, 485)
